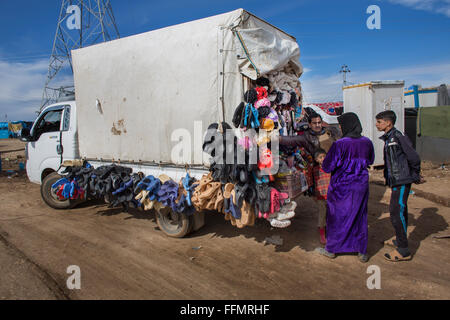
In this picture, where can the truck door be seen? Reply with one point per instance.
(44, 152)
(69, 140)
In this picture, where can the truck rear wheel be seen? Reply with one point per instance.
(49, 196)
(173, 224)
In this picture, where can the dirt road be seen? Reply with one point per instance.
(125, 256)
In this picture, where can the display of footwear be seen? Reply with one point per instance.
(286, 215)
(279, 223)
(247, 214)
(290, 206)
(273, 215)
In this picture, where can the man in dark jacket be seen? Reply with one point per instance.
(401, 169)
(315, 137)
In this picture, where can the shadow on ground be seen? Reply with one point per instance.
(303, 232)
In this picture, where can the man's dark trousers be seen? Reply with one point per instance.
(398, 208)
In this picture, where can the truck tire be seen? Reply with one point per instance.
(173, 224)
(49, 196)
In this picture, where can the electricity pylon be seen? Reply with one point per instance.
(81, 23)
(344, 70)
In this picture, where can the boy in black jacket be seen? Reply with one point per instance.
(401, 168)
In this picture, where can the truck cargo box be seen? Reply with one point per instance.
(133, 93)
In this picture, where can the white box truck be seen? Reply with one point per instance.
(134, 93)
(369, 99)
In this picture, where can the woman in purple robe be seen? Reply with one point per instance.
(348, 193)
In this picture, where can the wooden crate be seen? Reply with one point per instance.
(293, 184)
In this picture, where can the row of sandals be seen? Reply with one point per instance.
(233, 201)
(240, 203)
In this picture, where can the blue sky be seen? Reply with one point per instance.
(412, 44)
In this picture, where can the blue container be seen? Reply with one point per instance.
(4, 134)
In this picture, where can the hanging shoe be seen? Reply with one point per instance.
(285, 215)
(279, 224)
(290, 206)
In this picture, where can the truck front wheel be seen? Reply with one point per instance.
(173, 224)
(49, 196)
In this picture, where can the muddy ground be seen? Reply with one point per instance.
(125, 255)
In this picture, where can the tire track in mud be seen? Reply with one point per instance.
(60, 292)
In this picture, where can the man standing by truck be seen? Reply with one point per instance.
(315, 138)
(401, 168)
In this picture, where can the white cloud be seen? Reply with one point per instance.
(436, 6)
(21, 87)
(318, 57)
(321, 88)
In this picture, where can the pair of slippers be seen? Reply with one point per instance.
(263, 198)
(168, 193)
(322, 251)
(80, 173)
(208, 194)
(395, 255)
(277, 198)
(281, 218)
(276, 223)
(68, 189)
(240, 216)
(247, 216)
(150, 184)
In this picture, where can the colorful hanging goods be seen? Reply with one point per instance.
(189, 186)
(251, 116)
(261, 92)
(264, 102)
(66, 189)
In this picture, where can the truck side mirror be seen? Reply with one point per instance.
(25, 135)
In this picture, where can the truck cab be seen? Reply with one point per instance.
(52, 138)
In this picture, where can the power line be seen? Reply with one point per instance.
(27, 57)
(344, 70)
(81, 23)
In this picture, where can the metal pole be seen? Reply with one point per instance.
(67, 40)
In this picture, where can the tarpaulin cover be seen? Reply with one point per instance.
(262, 49)
(434, 122)
(150, 85)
